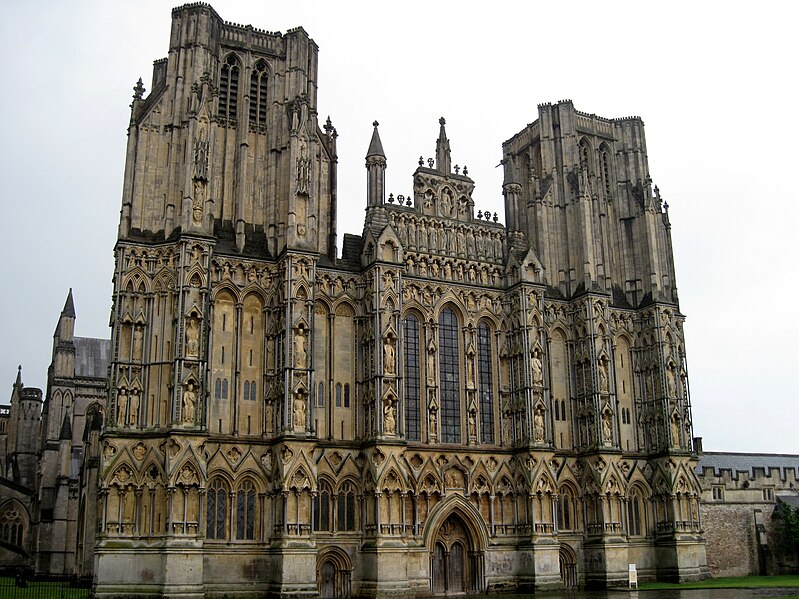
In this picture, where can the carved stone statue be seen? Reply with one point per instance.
(538, 371)
(299, 411)
(607, 428)
(431, 366)
(134, 407)
(300, 358)
(138, 336)
(390, 423)
(189, 402)
(122, 406)
(603, 376)
(390, 356)
(472, 424)
(192, 338)
(538, 425)
(675, 431)
(671, 380)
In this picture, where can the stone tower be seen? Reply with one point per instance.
(452, 405)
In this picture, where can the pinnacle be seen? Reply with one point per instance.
(375, 146)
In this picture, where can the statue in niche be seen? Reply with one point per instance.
(603, 376)
(472, 424)
(675, 431)
(470, 370)
(671, 380)
(433, 428)
(448, 271)
(134, 407)
(138, 337)
(538, 425)
(446, 203)
(270, 415)
(299, 411)
(607, 428)
(507, 428)
(189, 402)
(390, 422)
(538, 370)
(299, 348)
(303, 172)
(192, 338)
(431, 366)
(122, 406)
(201, 152)
(390, 355)
(199, 200)
(270, 352)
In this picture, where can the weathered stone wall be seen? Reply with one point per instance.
(731, 538)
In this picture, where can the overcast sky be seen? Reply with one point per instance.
(715, 83)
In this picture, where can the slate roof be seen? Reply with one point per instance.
(747, 462)
(91, 357)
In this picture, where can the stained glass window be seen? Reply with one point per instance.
(412, 391)
(449, 370)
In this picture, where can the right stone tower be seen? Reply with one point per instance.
(582, 214)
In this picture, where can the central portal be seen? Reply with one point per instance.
(453, 559)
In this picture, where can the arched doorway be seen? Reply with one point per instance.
(334, 574)
(454, 561)
(568, 567)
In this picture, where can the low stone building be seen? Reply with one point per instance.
(741, 493)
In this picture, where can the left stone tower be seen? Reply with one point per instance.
(229, 193)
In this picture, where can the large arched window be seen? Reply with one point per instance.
(486, 374)
(258, 86)
(12, 525)
(245, 511)
(412, 386)
(322, 510)
(216, 510)
(449, 371)
(566, 509)
(346, 507)
(636, 525)
(229, 88)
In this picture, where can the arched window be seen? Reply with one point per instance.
(224, 389)
(346, 395)
(346, 507)
(604, 164)
(218, 389)
(229, 88)
(565, 507)
(322, 508)
(485, 372)
(338, 395)
(412, 393)
(634, 513)
(12, 526)
(245, 511)
(557, 410)
(216, 507)
(449, 371)
(320, 395)
(253, 391)
(246, 390)
(258, 85)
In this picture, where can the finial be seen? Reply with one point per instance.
(457, 169)
(496, 218)
(375, 124)
(442, 121)
(465, 170)
(138, 91)
(430, 162)
(480, 214)
(421, 160)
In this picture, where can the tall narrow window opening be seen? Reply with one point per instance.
(412, 395)
(486, 383)
(229, 88)
(258, 87)
(449, 370)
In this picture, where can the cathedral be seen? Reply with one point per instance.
(452, 405)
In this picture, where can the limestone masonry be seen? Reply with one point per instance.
(451, 405)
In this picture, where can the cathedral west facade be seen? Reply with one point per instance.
(451, 405)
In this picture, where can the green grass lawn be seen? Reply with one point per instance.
(736, 582)
(41, 590)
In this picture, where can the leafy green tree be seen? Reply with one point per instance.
(786, 527)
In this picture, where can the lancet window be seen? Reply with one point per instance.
(486, 383)
(229, 88)
(216, 510)
(245, 511)
(258, 88)
(449, 375)
(412, 374)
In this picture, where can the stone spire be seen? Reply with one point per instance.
(69, 306)
(376, 170)
(443, 160)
